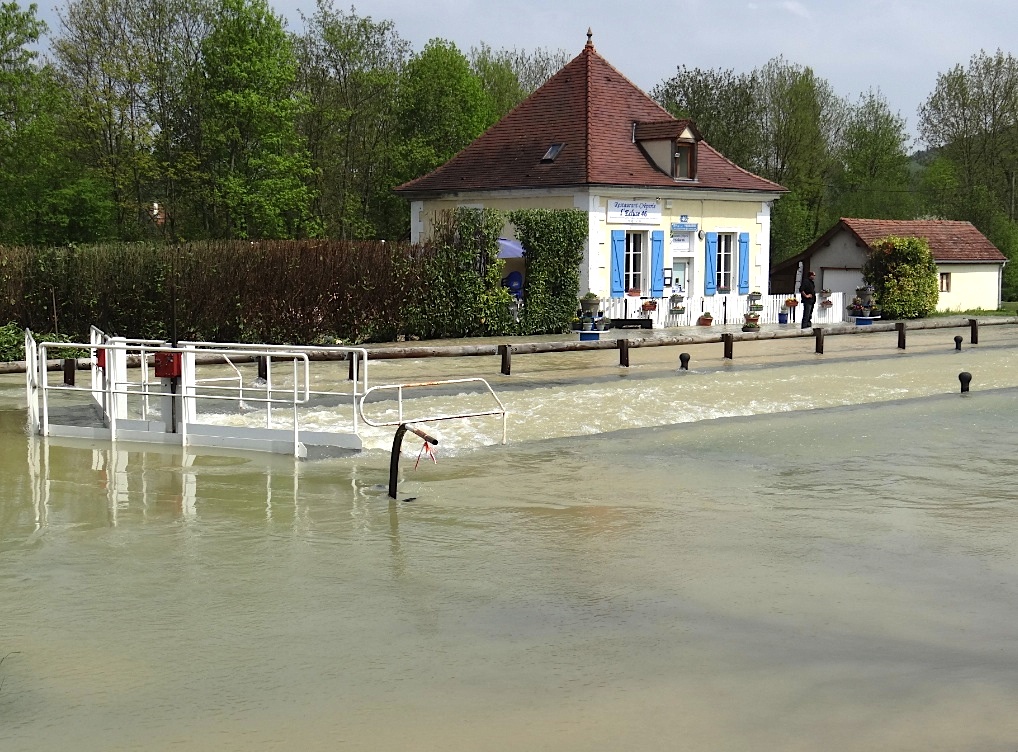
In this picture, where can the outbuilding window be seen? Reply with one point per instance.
(945, 282)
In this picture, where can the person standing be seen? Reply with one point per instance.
(808, 291)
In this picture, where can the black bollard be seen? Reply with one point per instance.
(965, 378)
(70, 366)
(819, 334)
(623, 352)
(263, 367)
(957, 343)
(683, 361)
(729, 340)
(507, 359)
(900, 326)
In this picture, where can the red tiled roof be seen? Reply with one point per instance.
(591, 108)
(950, 241)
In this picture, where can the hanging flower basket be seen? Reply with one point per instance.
(791, 302)
(678, 309)
(826, 303)
(756, 306)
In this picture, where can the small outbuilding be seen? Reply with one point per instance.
(970, 267)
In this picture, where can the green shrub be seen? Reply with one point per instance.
(904, 277)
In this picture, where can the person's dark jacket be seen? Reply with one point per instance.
(808, 287)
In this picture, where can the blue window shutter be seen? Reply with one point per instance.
(618, 263)
(743, 263)
(657, 264)
(710, 267)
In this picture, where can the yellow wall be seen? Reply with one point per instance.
(973, 286)
(749, 214)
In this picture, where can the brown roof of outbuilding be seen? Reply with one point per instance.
(591, 108)
(949, 240)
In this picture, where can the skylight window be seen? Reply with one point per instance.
(553, 151)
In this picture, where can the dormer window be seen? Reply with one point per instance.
(684, 165)
(553, 151)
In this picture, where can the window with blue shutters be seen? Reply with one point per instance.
(743, 263)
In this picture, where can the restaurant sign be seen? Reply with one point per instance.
(633, 212)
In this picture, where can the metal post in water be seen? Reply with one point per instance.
(623, 352)
(70, 366)
(965, 378)
(263, 368)
(729, 340)
(900, 326)
(397, 443)
(957, 342)
(819, 334)
(974, 327)
(507, 359)
(683, 361)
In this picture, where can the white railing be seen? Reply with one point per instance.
(723, 308)
(498, 410)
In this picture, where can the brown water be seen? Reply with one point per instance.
(787, 551)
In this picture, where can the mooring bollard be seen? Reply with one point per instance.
(957, 342)
(624, 352)
(900, 326)
(819, 334)
(729, 339)
(70, 366)
(965, 378)
(263, 368)
(683, 361)
(974, 328)
(507, 359)
(397, 443)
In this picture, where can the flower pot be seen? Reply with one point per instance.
(705, 321)
(586, 326)
(679, 309)
(782, 318)
(590, 305)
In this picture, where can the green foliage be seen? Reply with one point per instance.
(904, 277)
(255, 164)
(554, 241)
(442, 107)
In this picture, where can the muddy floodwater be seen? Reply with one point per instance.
(784, 551)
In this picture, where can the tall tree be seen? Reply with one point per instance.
(254, 166)
(442, 107)
(874, 179)
(350, 68)
(510, 76)
(724, 107)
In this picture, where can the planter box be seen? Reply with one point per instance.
(704, 321)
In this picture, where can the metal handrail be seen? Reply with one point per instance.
(433, 418)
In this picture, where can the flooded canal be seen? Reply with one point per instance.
(783, 551)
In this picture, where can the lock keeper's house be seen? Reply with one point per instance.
(667, 212)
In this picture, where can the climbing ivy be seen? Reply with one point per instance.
(904, 277)
(554, 240)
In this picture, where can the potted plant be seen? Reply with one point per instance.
(826, 303)
(603, 324)
(590, 303)
(633, 292)
(675, 301)
(783, 315)
(751, 322)
(724, 290)
(791, 302)
(706, 319)
(756, 307)
(649, 305)
(678, 310)
(825, 293)
(575, 323)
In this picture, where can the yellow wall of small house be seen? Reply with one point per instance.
(424, 213)
(715, 215)
(973, 286)
(750, 215)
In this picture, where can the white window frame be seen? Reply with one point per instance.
(726, 259)
(636, 260)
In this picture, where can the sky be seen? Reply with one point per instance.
(896, 46)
